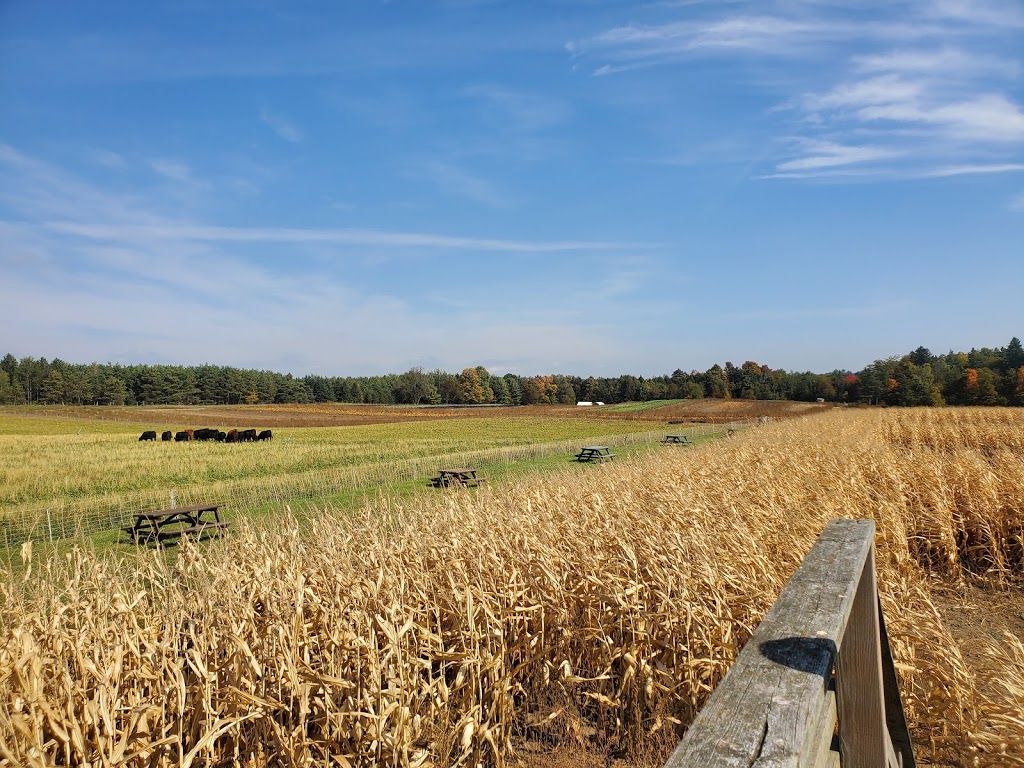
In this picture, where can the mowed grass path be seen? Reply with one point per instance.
(44, 460)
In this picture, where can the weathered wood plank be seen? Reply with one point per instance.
(895, 717)
(862, 732)
(819, 752)
(763, 712)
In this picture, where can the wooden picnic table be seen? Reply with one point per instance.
(677, 440)
(155, 527)
(595, 453)
(464, 476)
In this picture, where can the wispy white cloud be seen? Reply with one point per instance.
(763, 34)
(183, 231)
(933, 81)
(997, 13)
(171, 169)
(972, 170)
(823, 154)
(524, 111)
(608, 69)
(40, 190)
(883, 171)
(777, 29)
(877, 91)
(842, 173)
(987, 118)
(97, 258)
(62, 203)
(462, 183)
(931, 62)
(109, 159)
(281, 125)
(635, 45)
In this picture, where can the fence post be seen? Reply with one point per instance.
(863, 738)
(49, 524)
(814, 662)
(174, 504)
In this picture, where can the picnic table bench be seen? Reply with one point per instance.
(677, 440)
(155, 527)
(463, 476)
(595, 453)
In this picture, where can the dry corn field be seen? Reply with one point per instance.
(595, 606)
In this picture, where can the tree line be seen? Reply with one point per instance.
(979, 377)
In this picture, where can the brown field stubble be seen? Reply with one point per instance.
(298, 414)
(596, 606)
(176, 417)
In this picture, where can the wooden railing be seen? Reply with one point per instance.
(815, 685)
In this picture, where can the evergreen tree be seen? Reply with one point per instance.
(515, 389)
(1013, 354)
(9, 365)
(921, 356)
(51, 391)
(9, 393)
(500, 388)
(715, 382)
(565, 393)
(628, 390)
(114, 391)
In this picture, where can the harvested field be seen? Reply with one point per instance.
(342, 414)
(595, 609)
(719, 411)
(291, 415)
(273, 416)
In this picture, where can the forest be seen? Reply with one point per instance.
(978, 377)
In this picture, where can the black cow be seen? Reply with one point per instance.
(206, 434)
(247, 435)
(149, 434)
(184, 436)
(165, 436)
(220, 436)
(266, 434)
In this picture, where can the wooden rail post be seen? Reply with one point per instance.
(815, 685)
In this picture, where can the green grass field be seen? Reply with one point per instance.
(44, 460)
(66, 477)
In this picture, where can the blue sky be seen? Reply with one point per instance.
(360, 187)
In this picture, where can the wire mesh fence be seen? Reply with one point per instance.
(72, 519)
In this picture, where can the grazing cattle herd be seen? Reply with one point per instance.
(231, 436)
